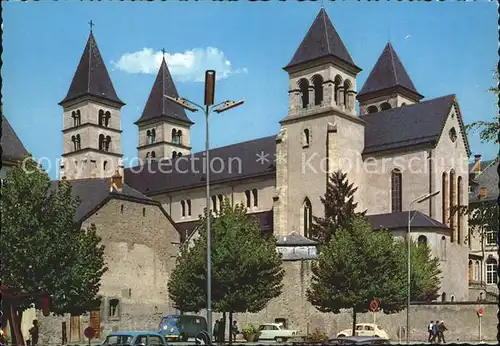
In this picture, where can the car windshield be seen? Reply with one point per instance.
(118, 340)
(170, 321)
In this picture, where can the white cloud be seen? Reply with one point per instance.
(189, 66)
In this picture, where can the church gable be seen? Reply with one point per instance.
(453, 128)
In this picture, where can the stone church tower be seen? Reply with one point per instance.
(321, 132)
(164, 128)
(388, 85)
(91, 120)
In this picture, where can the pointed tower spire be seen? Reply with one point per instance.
(158, 106)
(389, 76)
(91, 77)
(321, 43)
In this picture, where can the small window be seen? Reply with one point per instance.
(491, 271)
(121, 208)
(105, 163)
(214, 204)
(174, 154)
(189, 207)
(452, 298)
(453, 134)
(114, 308)
(306, 138)
(143, 211)
(255, 198)
(183, 208)
(491, 237)
(422, 240)
(247, 196)
(385, 106)
(221, 201)
(443, 296)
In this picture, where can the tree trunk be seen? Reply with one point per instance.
(16, 336)
(230, 327)
(223, 333)
(74, 328)
(353, 322)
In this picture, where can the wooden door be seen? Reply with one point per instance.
(74, 329)
(95, 323)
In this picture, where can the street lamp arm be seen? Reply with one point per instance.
(215, 106)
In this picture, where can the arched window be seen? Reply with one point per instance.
(78, 142)
(396, 190)
(108, 143)
(247, 196)
(214, 203)
(73, 139)
(347, 94)
(337, 88)
(422, 240)
(443, 248)
(477, 271)
(372, 109)
(470, 271)
(189, 207)
(148, 137)
(107, 117)
(305, 138)
(317, 82)
(385, 106)
(444, 201)
(153, 156)
(104, 165)
(183, 208)
(221, 201)
(101, 117)
(101, 142)
(153, 136)
(307, 207)
(179, 136)
(255, 198)
(179, 154)
(459, 214)
(174, 154)
(76, 117)
(452, 205)
(452, 298)
(491, 271)
(304, 92)
(176, 136)
(443, 296)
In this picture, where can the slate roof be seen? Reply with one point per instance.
(400, 220)
(265, 219)
(158, 106)
(93, 192)
(419, 123)
(91, 76)
(489, 178)
(321, 40)
(388, 73)
(239, 160)
(12, 147)
(295, 239)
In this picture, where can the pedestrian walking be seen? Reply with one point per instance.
(34, 333)
(442, 329)
(429, 329)
(216, 330)
(435, 331)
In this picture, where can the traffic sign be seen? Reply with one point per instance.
(89, 332)
(373, 305)
(480, 312)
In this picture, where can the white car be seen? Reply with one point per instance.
(365, 329)
(275, 331)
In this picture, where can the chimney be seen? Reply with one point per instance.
(483, 193)
(477, 163)
(116, 182)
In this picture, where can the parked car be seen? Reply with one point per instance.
(275, 331)
(182, 327)
(134, 339)
(365, 329)
(351, 340)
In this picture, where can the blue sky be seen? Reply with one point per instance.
(451, 48)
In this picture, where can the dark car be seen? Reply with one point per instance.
(182, 327)
(362, 340)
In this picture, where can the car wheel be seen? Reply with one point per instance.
(341, 336)
(377, 336)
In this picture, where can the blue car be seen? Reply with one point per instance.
(135, 339)
(182, 327)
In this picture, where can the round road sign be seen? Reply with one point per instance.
(89, 332)
(373, 305)
(480, 311)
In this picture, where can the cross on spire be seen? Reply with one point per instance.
(163, 52)
(91, 23)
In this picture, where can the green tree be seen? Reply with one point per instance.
(339, 208)
(43, 249)
(246, 268)
(489, 131)
(359, 265)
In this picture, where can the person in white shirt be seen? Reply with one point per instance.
(429, 329)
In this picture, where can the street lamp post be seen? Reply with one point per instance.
(207, 109)
(417, 200)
